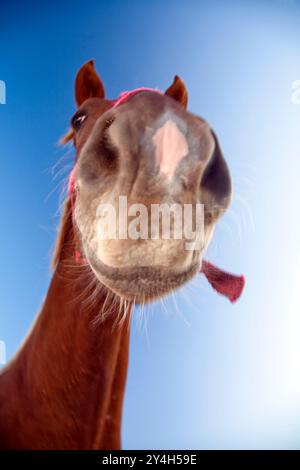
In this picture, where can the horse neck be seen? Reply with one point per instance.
(71, 371)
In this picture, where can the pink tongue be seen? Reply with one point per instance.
(224, 283)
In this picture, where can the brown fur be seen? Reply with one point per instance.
(65, 387)
(65, 231)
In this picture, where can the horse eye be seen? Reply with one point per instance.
(78, 120)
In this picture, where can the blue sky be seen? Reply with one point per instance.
(203, 373)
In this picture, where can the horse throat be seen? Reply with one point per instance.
(70, 373)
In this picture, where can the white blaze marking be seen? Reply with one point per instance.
(170, 147)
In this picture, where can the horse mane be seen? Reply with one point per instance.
(64, 230)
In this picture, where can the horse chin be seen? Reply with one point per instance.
(143, 284)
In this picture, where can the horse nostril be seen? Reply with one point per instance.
(108, 150)
(216, 181)
(104, 132)
(108, 123)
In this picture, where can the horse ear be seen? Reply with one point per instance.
(88, 84)
(178, 91)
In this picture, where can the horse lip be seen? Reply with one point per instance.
(144, 283)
